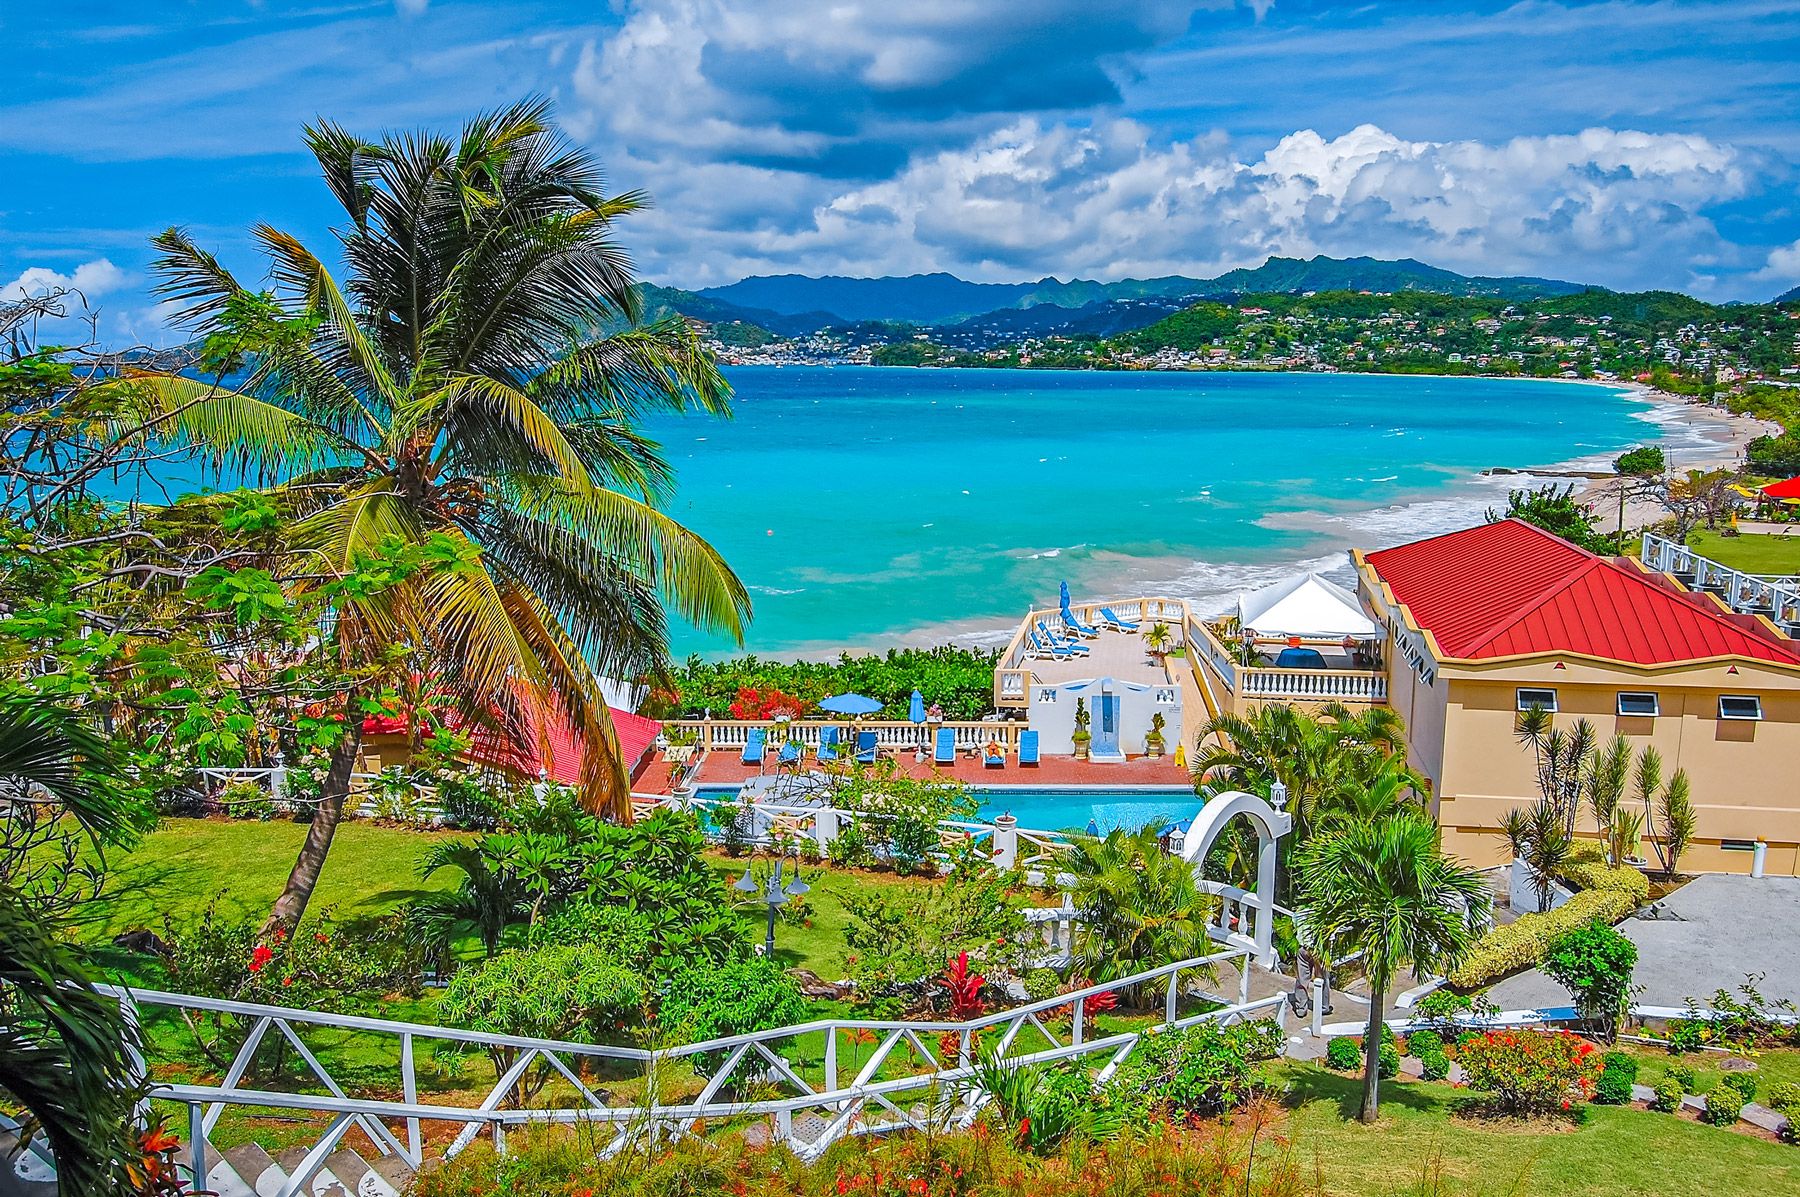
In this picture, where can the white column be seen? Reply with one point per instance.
(1265, 898)
(1006, 842)
(825, 828)
(1759, 857)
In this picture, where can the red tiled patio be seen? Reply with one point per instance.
(723, 767)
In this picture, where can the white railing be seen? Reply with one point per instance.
(1013, 676)
(916, 1075)
(1776, 596)
(1313, 685)
(730, 735)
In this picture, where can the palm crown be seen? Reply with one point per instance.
(474, 384)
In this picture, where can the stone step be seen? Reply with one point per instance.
(358, 1176)
(323, 1183)
(256, 1168)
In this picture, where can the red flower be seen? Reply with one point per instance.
(261, 956)
(321, 938)
(286, 981)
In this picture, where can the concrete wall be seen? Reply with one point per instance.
(1052, 713)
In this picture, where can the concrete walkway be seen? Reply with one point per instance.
(1713, 931)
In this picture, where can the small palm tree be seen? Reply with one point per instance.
(1141, 907)
(473, 389)
(484, 904)
(1386, 890)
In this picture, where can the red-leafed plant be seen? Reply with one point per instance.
(767, 703)
(964, 989)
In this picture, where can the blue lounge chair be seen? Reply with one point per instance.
(1041, 647)
(828, 742)
(946, 747)
(1074, 648)
(1076, 626)
(993, 756)
(1111, 619)
(865, 747)
(789, 754)
(1028, 748)
(754, 745)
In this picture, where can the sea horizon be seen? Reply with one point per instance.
(873, 507)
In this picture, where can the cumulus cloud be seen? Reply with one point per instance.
(1782, 268)
(92, 279)
(1108, 200)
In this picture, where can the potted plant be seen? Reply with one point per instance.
(1153, 742)
(1158, 638)
(1082, 737)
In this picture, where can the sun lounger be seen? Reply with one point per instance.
(993, 756)
(828, 742)
(946, 747)
(1111, 619)
(1076, 626)
(1041, 647)
(789, 754)
(1028, 748)
(754, 745)
(865, 747)
(1072, 648)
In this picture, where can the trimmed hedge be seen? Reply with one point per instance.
(1668, 1096)
(1422, 1043)
(1618, 1072)
(1609, 894)
(1723, 1106)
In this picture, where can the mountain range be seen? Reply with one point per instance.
(940, 299)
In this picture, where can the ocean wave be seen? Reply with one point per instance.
(775, 591)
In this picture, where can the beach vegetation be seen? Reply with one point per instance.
(1557, 511)
(959, 680)
(1644, 461)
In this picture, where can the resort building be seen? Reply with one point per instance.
(1488, 622)
(552, 753)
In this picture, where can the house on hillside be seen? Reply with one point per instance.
(1488, 622)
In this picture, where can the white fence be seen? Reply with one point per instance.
(1778, 597)
(915, 1075)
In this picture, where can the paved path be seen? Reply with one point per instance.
(1715, 929)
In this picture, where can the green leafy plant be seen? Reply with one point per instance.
(1434, 1065)
(1744, 1081)
(1618, 1073)
(1387, 1061)
(1039, 1107)
(1724, 1106)
(1140, 906)
(1202, 1070)
(1685, 1035)
(1685, 1075)
(752, 994)
(1424, 1042)
(1666, 1095)
(1343, 1053)
(1594, 963)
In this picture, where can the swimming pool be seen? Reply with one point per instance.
(1071, 808)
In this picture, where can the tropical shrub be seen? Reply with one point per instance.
(1423, 1043)
(1594, 963)
(1039, 1107)
(1201, 1070)
(1530, 1072)
(1140, 906)
(1784, 1098)
(1618, 1073)
(1387, 1061)
(1724, 1105)
(1684, 1075)
(1442, 1007)
(1435, 1065)
(1745, 1082)
(1344, 1054)
(1524, 942)
(1041, 984)
(1666, 1095)
(1685, 1035)
(752, 994)
(898, 938)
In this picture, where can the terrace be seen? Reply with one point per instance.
(1304, 640)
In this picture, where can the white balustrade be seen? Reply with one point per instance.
(1313, 685)
(1777, 596)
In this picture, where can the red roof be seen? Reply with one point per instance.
(1783, 490)
(1511, 589)
(490, 747)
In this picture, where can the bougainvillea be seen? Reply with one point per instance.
(1531, 1072)
(752, 703)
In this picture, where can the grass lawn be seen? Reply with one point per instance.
(1771, 1066)
(1752, 554)
(1616, 1152)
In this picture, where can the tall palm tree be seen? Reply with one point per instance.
(65, 1048)
(474, 386)
(1385, 889)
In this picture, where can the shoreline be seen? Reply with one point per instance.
(1693, 435)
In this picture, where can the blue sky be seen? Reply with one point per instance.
(1624, 143)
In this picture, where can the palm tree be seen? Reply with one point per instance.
(484, 904)
(472, 389)
(66, 1050)
(1140, 906)
(1386, 890)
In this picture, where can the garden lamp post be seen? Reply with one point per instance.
(774, 896)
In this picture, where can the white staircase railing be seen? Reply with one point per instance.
(1776, 596)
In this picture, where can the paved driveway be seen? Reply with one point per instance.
(1714, 930)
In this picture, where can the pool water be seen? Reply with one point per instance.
(1069, 809)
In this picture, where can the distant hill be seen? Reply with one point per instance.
(945, 299)
(660, 301)
(1789, 296)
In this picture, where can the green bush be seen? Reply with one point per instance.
(1436, 1065)
(1594, 963)
(1200, 1070)
(1618, 1072)
(1387, 1058)
(1423, 1043)
(1667, 1095)
(553, 992)
(1343, 1054)
(1784, 1098)
(1746, 1083)
(1685, 1035)
(1683, 1075)
(1525, 942)
(1723, 1106)
(1041, 984)
(714, 1002)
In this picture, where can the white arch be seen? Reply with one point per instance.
(1271, 824)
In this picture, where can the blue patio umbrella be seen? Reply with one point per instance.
(850, 704)
(1065, 593)
(917, 711)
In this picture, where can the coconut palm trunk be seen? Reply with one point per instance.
(1371, 1099)
(303, 878)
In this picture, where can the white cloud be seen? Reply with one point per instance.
(1783, 267)
(1107, 200)
(411, 8)
(92, 279)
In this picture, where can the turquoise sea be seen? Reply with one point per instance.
(868, 506)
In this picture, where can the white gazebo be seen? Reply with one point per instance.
(1308, 607)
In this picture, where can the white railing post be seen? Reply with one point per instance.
(825, 828)
(197, 1166)
(409, 1088)
(1006, 842)
(1318, 1006)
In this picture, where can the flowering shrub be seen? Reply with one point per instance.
(1530, 1072)
(768, 703)
(1201, 1070)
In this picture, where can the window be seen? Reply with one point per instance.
(1740, 706)
(1542, 699)
(1638, 702)
(1738, 845)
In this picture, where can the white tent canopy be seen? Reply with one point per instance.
(1306, 605)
